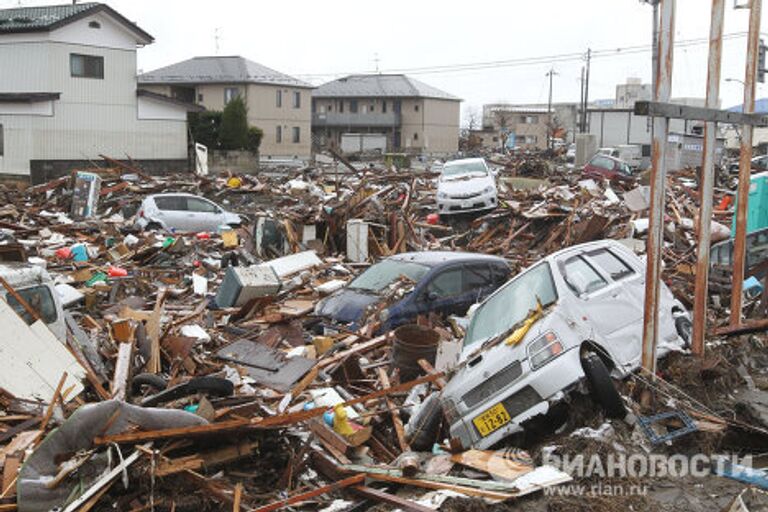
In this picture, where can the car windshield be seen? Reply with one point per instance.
(464, 169)
(384, 273)
(512, 304)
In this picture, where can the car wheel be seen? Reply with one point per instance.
(602, 387)
(424, 425)
(684, 328)
(151, 380)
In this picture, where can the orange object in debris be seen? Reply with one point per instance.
(203, 236)
(724, 203)
(433, 218)
(64, 253)
(117, 272)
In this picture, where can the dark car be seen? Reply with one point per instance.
(606, 167)
(445, 282)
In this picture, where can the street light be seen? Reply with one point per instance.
(735, 80)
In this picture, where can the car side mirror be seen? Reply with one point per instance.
(431, 296)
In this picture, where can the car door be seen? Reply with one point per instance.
(172, 211)
(203, 215)
(609, 305)
(443, 293)
(478, 282)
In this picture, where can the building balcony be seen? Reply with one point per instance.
(356, 120)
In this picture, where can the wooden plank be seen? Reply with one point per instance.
(11, 473)
(390, 499)
(52, 405)
(441, 382)
(362, 347)
(493, 462)
(20, 428)
(427, 484)
(238, 497)
(153, 333)
(123, 365)
(298, 498)
(396, 420)
(274, 421)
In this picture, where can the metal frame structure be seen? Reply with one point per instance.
(662, 111)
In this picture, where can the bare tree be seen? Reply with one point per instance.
(471, 118)
(503, 121)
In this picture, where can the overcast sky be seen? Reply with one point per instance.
(319, 41)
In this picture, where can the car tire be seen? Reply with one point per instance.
(684, 328)
(151, 380)
(153, 226)
(601, 386)
(424, 425)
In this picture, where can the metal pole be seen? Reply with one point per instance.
(582, 114)
(549, 111)
(707, 180)
(586, 90)
(740, 242)
(662, 92)
(655, 46)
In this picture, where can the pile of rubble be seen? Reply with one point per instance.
(188, 371)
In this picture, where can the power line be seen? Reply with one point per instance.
(530, 61)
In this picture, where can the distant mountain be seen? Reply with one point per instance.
(761, 106)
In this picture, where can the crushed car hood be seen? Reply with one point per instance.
(346, 305)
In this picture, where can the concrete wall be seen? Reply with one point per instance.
(92, 115)
(236, 161)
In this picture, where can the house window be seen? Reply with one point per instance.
(397, 106)
(279, 98)
(330, 107)
(353, 106)
(296, 135)
(279, 135)
(230, 93)
(383, 107)
(296, 99)
(341, 106)
(200, 97)
(415, 136)
(372, 108)
(416, 108)
(86, 66)
(94, 24)
(529, 119)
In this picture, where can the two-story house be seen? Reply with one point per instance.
(414, 117)
(68, 93)
(277, 103)
(522, 126)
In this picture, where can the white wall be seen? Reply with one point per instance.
(160, 110)
(92, 115)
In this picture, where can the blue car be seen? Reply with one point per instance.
(446, 283)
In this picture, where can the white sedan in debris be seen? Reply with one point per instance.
(570, 322)
(466, 185)
(183, 212)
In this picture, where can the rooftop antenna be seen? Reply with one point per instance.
(376, 60)
(216, 38)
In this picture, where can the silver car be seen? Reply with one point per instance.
(583, 307)
(183, 212)
(466, 185)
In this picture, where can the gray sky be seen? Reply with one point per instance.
(319, 41)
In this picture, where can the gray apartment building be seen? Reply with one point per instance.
(410, 115)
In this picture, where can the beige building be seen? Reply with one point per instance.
(410, 116)
(522, 127)
(277, 103)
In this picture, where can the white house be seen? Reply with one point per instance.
(68, 93)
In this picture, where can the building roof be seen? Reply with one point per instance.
(218, 70)
(28, 97)
(49, 17)
(190, 107)
(380, 86)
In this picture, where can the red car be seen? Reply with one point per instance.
(609, 168)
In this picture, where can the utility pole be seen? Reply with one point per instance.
(551, 73)
(585, 75)
(745, 164)
(582, 107)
